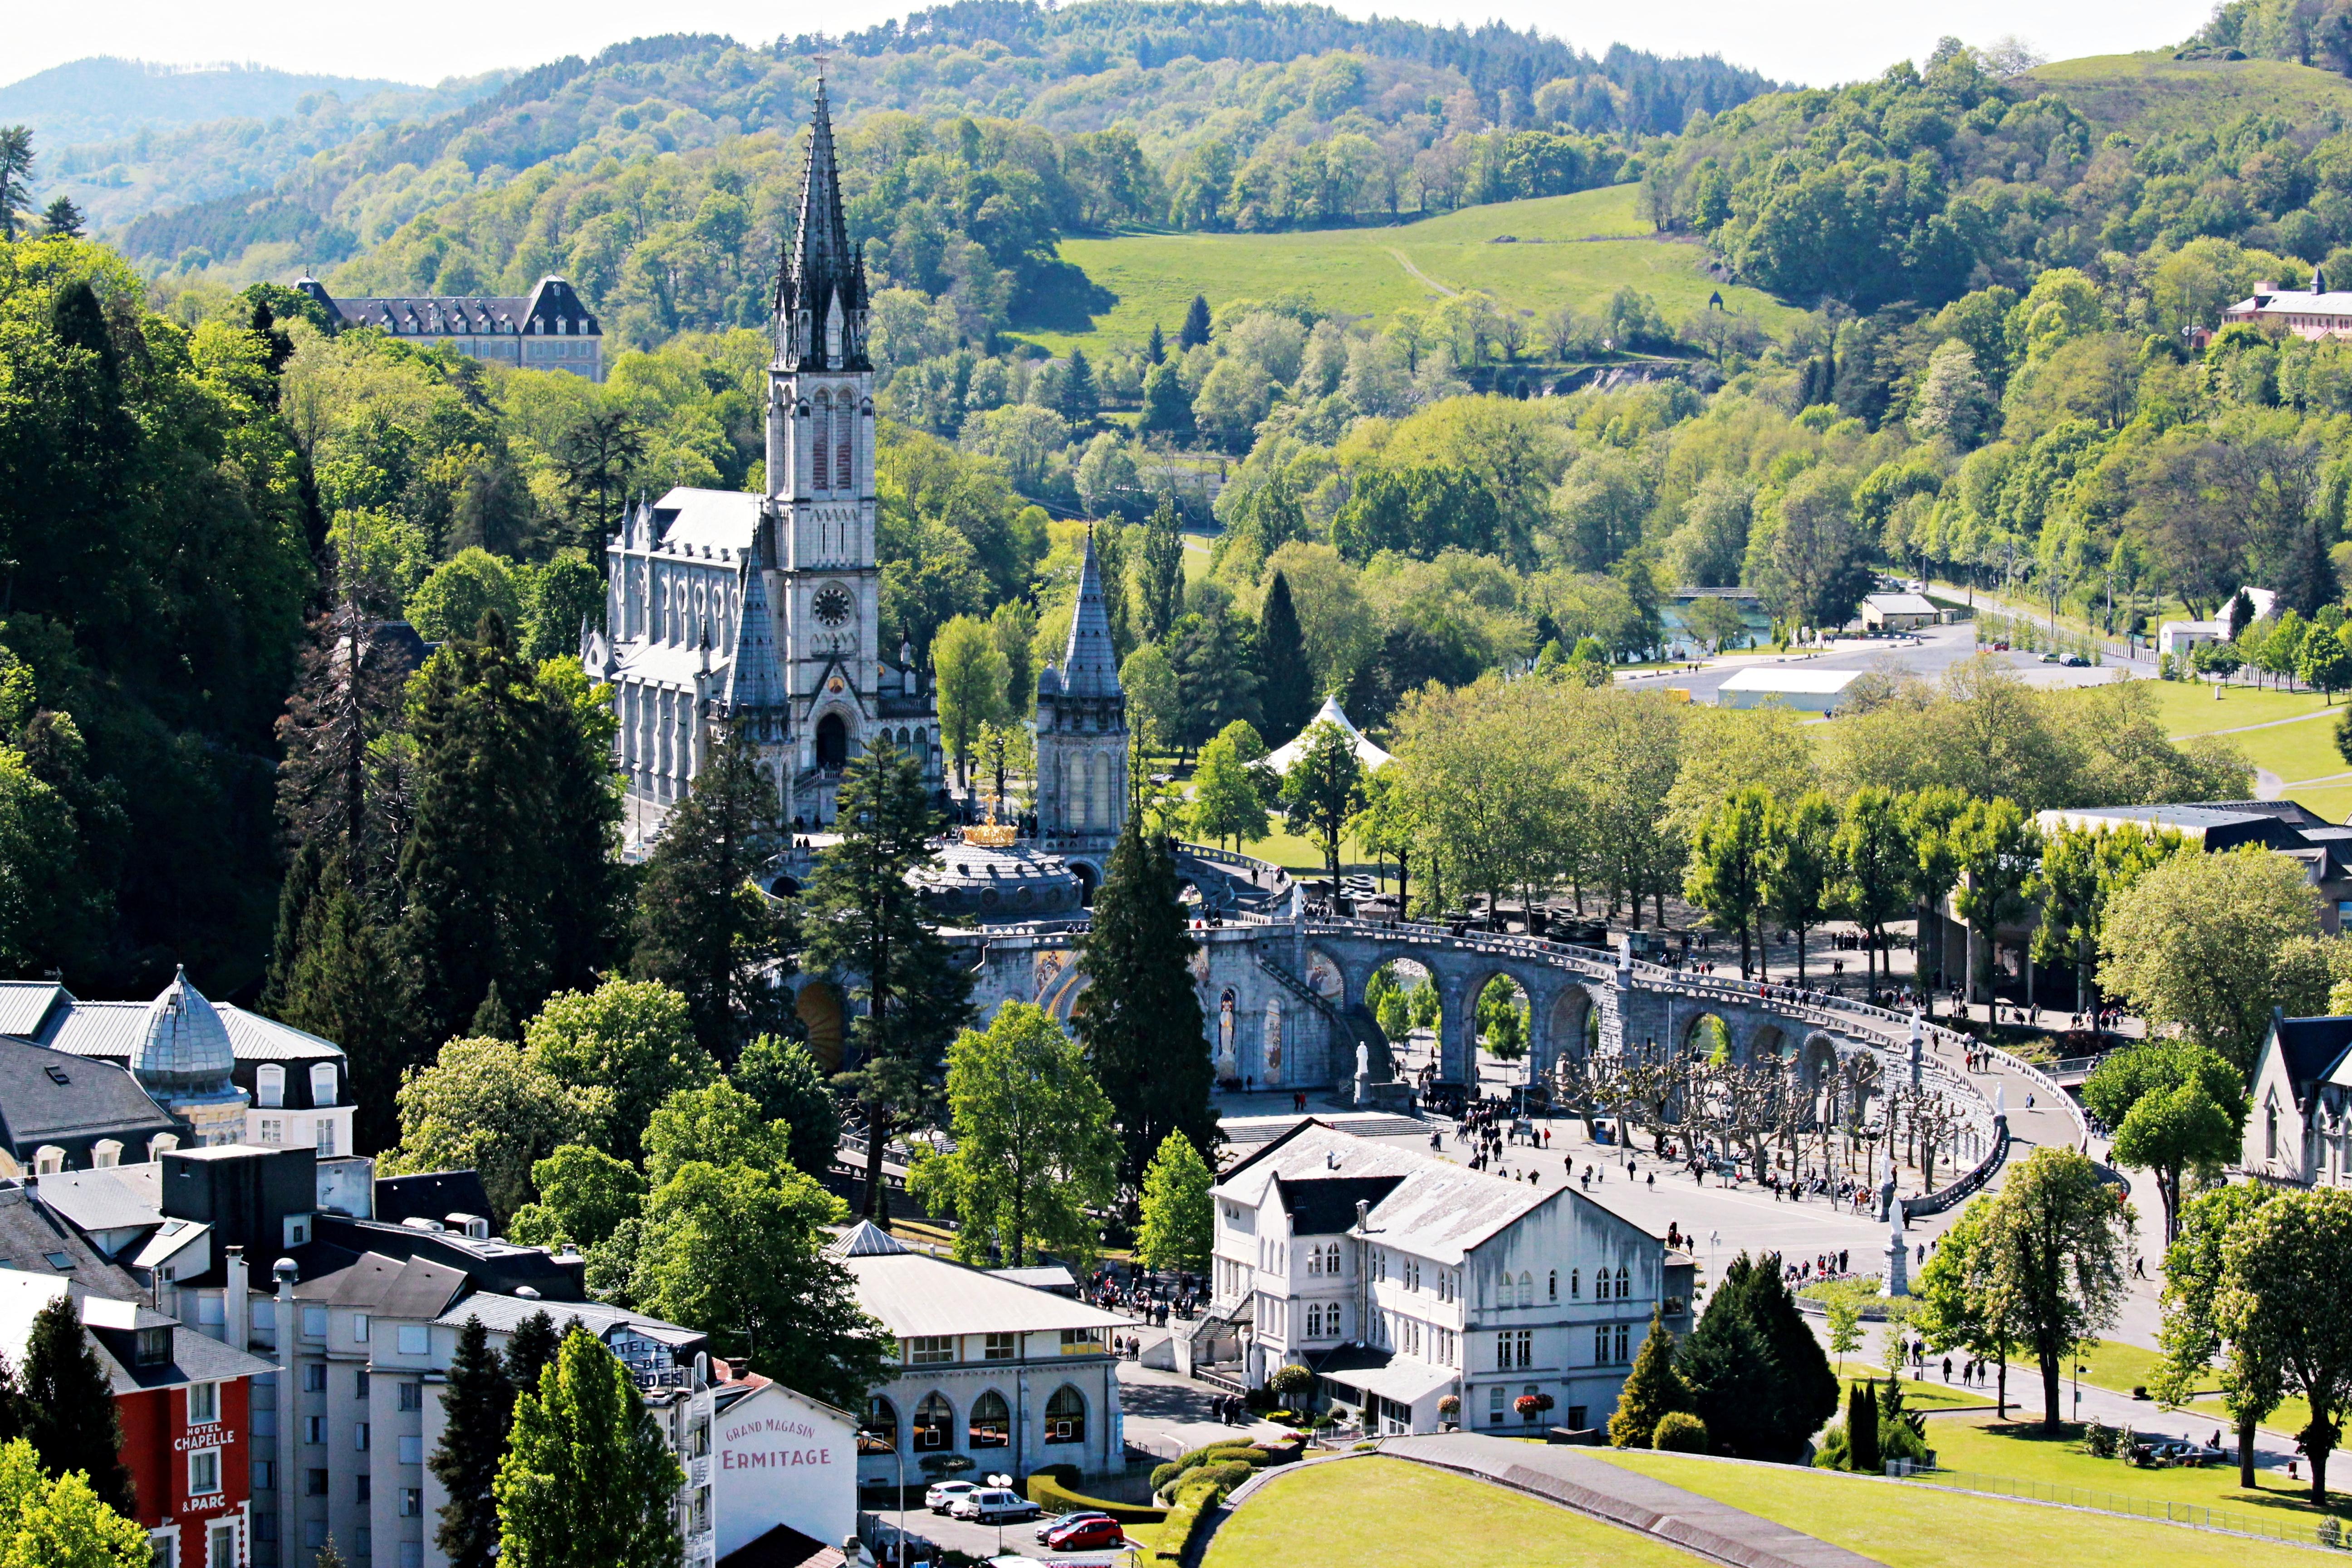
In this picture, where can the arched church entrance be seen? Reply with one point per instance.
(832, 743)
(819, 1008)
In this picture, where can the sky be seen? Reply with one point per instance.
(1817, 43)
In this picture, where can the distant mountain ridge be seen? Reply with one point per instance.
(106, 97)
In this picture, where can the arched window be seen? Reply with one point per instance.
(1331, 1259)
(322, 1083)
(1315, 1260)
(2270, 1130)
(991, 1422)
(1552, 1286)
(1334, 1323)
(48, 1160)
(1314, 1319)
(105, 1153)
(934, 1422)
(845, 465)
(1527, 1289)
(1575, 1284)
(1624, 1284)
(270, 1086)
(821, 444)
(1066, 1416)
(880, 1433)
(161, 1143)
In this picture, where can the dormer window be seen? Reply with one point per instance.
(270, 1086)
(155, 1347)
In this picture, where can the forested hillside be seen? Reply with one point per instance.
(106, 97)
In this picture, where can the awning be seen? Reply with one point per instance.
(1407, 1379)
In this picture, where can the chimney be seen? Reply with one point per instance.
(1363, 1214)
(237, 1310)
(2267, 286)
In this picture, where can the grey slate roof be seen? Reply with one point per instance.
(48, 1098)
(111, 1031)
(117, 1198)
(33, 1239)
(388, 1287)
(504, 1314)
(1090, 663)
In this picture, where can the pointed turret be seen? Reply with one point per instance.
(755, 680)
(821, 295)
(1090, 663)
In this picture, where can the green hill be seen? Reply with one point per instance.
(1574, 251)
(2153, 92)
(105, 97)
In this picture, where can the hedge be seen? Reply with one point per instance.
(1218, 1453)
(1049, 1493)
(1176, 1533)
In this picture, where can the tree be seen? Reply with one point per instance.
(1226, 801)
(61, 1521)
(530, 1349)
(1730, 863)
(2190, 1334)
(1167, 406)
(596, 457)
(1322, 790)
(69, 1404)
(2053, 1260)
(1800, 872)
(1929, 815)
(739, 1250)
(705, 927)
(584, 1196)
(342, 983)
(1155, 702)
(1876, 858)
(488, 1107)
(1195, 330)
(17, 166)
(1139, 1018)
(1155, 347)
(2324, 663)
(1034, 1148)
(1845, 1329)
(1957, 1308)
(2177, 1108)
(968, 673)
(2081, 873)
(1389, 824)
(587, 1481)
(508, 869)
(1862, 1452)
(1653, 1390)
(2205, 940)
(1997, 848)
(1080, 399)
(782, 1074)
(1160, 572)
(1285, 682)
(629, 1044)
(1758, 1376)
(470, 584)
(1179, 1215)
(1812, 562)
(2281, 1300)
(477, 1405)
(865, 919)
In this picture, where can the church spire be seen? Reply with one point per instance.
(1091, 664)
(755, 680)
(821, 295)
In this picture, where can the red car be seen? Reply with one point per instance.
(1086, 1534)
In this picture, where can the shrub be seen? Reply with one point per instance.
(2099, 1439)
(1833, 1454)
(1176, 1531)
(1679, 1432)
(1862, 1429)
(1049, 1491)
(1224, 1478)
(1290, 1380)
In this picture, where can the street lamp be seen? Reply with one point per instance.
(897, 1547)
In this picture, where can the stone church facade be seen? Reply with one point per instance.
(762, 612)
(1082, 787)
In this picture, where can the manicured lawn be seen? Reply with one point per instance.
(1918, 1396)
(1397, 1515)
(1905, 1526)
(2018, 1450)
(1572, 250)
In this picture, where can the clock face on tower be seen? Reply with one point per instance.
(833, 606)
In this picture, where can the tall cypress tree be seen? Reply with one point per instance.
(1285, 692)
(704, 928)
(865, 919)
(1162, 573)
(479, 1405)
(344, 985)
(1196, 323)
(69, 1405)
(1139, 1018)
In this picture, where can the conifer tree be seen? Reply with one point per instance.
(69, 1405)
(1139, 1018)
(507, 869)
(1653, 1390)
(1196, 323)
(1285, 686)
(529, 1350)
(344, 987)
(1155, 347)
(479, 1402)
(1862, 1429)
(1081, 400)
(327, 1556)
(1167, 406)
(865, 919)
(1758, 1376)
(703, 926)
(587, 1481)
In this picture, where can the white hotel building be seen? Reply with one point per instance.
(1402, 1278)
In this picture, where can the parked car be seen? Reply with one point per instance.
(2050, 658)
(1047, 1527)
(1087, 1535)
(2076, 661)
(992, 1505)
(941, 1495)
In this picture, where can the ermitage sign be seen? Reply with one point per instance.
(777, 1451)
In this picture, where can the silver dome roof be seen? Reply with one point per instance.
(184, 1045)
